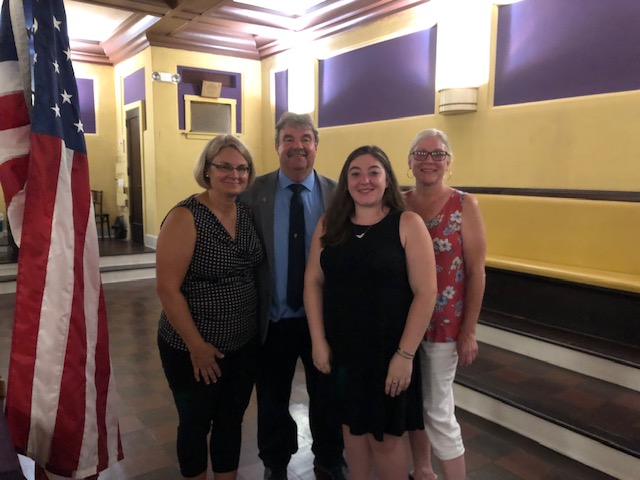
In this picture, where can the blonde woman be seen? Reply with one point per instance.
(206, 259)
(455, 224)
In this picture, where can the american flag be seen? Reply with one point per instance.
(61, 394)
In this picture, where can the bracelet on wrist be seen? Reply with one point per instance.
(403, 354)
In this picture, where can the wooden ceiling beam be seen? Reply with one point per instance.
(229, 28)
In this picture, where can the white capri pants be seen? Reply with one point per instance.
(439, 362)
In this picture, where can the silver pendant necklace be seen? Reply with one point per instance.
(360, 235)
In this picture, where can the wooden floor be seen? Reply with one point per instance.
(148, 418)
(110, 246)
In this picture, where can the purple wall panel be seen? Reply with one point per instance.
(134, 89)
(548, 49)
(87, 104)
(281, 81)
(191, 84)
(391, 79)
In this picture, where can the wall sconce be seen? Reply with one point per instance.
(463, 53)
(458, 100)
(166, 77)
(302, 81)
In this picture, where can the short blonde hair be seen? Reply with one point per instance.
(212, 149)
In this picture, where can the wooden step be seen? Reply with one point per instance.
(113, 269)
(587, 419)
(597, 346)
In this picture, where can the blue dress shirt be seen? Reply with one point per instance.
(313, 209)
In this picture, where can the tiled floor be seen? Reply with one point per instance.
(148, 417)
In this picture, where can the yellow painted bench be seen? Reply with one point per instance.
(590, 242)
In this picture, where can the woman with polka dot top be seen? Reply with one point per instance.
(206, 260)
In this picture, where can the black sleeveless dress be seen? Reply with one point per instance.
(366, 300)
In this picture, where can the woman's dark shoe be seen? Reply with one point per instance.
(275, 473)
(338, 472)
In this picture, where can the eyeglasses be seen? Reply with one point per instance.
(226, 168)
(436, 155)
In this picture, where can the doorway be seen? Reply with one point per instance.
(134, 172)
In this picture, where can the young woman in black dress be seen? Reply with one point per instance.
(370, 287)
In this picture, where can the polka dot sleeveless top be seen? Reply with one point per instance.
(220, 286)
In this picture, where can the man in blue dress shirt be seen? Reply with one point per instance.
(284, 330)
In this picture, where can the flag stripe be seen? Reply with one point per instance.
(13, 103)
(37, 308)
(15, 141)
(14, 127)
(13, 167)
(79, 344)
(58, 299)
(96, 393)
(14, 131)
(10, 77)
(21, 46)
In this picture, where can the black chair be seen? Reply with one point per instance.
(101, 217)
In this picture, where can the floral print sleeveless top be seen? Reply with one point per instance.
(446, 233)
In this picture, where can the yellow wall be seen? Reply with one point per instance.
(337, 142)
(168, 156)
(577, 143)
(589, 143)
(175, 154)
(102, 148)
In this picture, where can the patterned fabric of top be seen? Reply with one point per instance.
(446, 233)
(220, 286)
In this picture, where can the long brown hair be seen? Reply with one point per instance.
(337, 220)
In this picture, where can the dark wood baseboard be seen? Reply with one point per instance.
(595, 312)
(593, 346)
(606, 195)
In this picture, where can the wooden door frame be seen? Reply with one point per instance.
(129, 107)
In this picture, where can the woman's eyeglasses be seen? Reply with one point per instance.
(436, 155)
(225, 167)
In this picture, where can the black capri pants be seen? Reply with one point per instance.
(217, 408)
